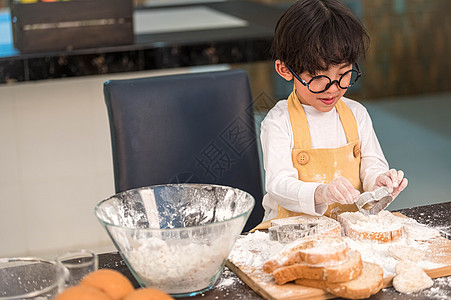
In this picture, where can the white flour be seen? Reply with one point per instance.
(227, 280)
(176, 268)
(382, 222)
(250, 252)
(439, 290)
(378, 253)
(253, 250)
(416, 231)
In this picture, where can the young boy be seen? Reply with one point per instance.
(319, 149)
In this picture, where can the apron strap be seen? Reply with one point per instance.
(348, 121)
(301, 131)
(299, 123)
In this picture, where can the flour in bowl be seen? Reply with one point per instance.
(179, 267)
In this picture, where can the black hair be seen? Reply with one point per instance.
(313, 34)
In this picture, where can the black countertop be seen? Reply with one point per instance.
(229, 286)
(158, 50)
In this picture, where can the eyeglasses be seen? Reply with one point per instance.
(322, 83)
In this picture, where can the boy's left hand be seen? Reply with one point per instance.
(394, 180)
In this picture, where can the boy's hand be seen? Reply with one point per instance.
(338, 190)
(393, 180)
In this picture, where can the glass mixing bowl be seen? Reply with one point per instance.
(176, 237)
(29, 278)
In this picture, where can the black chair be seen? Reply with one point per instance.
(188, 128)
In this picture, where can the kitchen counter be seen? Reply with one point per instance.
(229, 286)
(165, 37)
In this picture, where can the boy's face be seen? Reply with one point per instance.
(324, 101)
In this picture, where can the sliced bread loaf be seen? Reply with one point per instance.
(368, 283)
(318, 250)
(382, 228)
(326, 226)
(347, 270)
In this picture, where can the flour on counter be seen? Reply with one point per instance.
(440, 289)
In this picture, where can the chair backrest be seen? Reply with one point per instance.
(196, 128)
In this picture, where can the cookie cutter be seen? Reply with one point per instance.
(371, 203)
(290, 232)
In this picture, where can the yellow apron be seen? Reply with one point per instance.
(322, 165)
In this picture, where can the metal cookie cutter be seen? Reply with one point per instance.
(291, 232)
(371, 203)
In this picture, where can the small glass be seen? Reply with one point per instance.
(75, 265)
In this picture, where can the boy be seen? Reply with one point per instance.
(319, 149)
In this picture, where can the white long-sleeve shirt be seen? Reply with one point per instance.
(282, 184)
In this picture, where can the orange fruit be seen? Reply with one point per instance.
(80, 292)
(111, 282)
(148, 294)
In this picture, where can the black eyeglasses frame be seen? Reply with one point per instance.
(307, 84)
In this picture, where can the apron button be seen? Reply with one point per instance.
(356, 151)
(303, 158)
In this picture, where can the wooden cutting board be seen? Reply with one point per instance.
(439, 252)
(271, 290)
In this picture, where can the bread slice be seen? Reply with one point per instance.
(318, 250)
(326, 225)
(345, 271)
(368, 283)
(381, 228)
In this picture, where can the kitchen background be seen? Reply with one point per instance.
(55, 154)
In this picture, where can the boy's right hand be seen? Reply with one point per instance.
(338, 190)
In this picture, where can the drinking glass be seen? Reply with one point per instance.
(75, 265)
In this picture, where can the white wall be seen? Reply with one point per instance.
(55, 164)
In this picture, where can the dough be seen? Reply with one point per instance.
(403, 252)
(410, 278)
